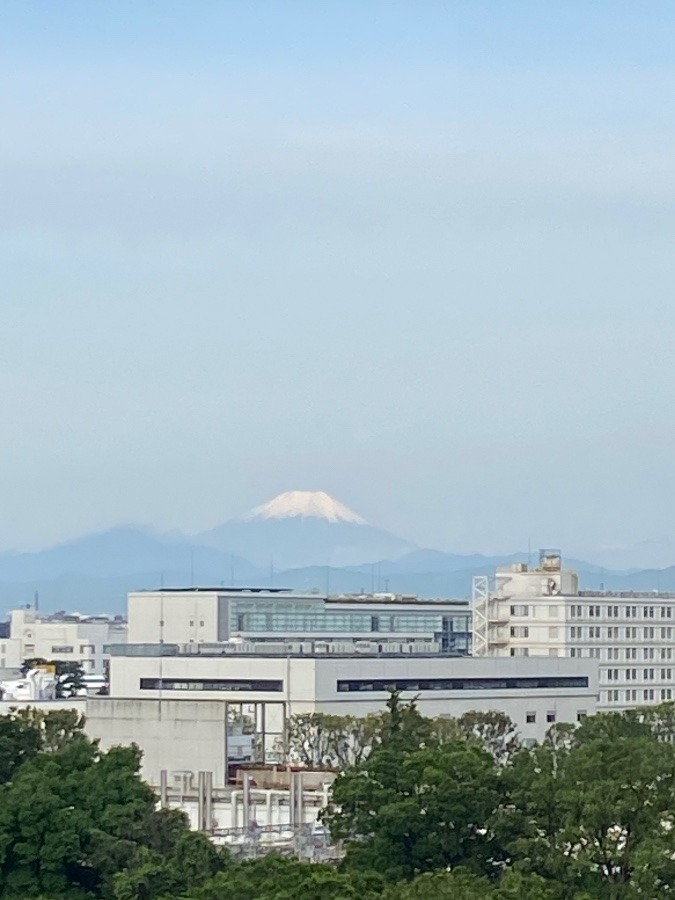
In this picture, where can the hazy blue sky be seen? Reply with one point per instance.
(416, 254)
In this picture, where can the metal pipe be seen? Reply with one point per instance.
(247, 800)
(299, 799)
(234, 815)
(163, 789)
(200, 801)
(208, 802)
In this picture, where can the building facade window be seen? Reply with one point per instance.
(520, 609)
(462, 684)
(520, 631)
(211, 684)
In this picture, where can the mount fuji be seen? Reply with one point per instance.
(301, 528)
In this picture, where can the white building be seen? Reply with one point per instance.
(213, 615)
(534, 692)
(73, 638)
(541, 612)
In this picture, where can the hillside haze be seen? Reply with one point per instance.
(304, 528)
(303, 540)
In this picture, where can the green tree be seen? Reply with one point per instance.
(183, 868)
(316, 739)
(494, 730)
(320, 739)
(589, 816)
(459, 884)
(55, 727)
(274, 878)
(61, 809)
(414, 805)
(20, 741)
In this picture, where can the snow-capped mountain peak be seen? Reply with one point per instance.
(306, 504)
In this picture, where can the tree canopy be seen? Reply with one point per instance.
(429, 809)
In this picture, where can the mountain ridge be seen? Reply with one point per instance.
(303, 540)
(302, 528)
(305, 504)
(69, 576)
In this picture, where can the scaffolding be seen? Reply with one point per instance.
(480, 600)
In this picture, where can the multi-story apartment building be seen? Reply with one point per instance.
(73, 638)
(542, 612)
(384, 622)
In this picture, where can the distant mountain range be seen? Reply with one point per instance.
(302, 540)
(301, 528)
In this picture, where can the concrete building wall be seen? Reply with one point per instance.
(178, 617)
(175, 735)
(356, 685)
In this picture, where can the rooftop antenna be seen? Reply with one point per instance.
(232, 569)
(37, 601)
(272, 571)
(192, 568)
(529, 553)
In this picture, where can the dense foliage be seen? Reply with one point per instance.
(427, 809)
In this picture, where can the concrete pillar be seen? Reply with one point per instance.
(163, 789)
(292, 805)
(299, 799)
(247, 800)
(208, 802)
(200, 801)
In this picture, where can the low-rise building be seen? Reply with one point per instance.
(213, 615)
(61, 636)
(273, 685)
